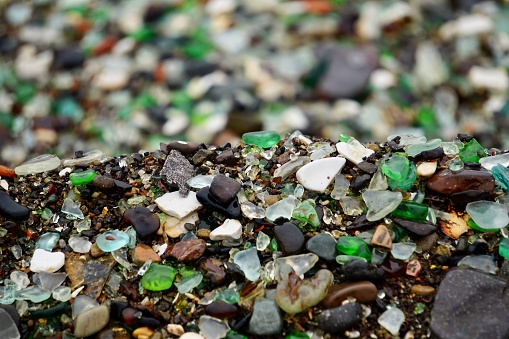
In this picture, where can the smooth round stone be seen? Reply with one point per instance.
(232, 210)
(426, 169)
(145, 222)
(104, 183)
(362, 291)
(112, 240)
(39, 164)
(290, 238)
(317, 175)
(360, 270)
(11, 209)
(189, 250)
(488, 214)
(266, 319)
(184, 147)
(143, 252)
(339, 319)
(323, 245)
(158, 277)
(224, 189)
(220, 309)
(264, 139)
(44, 261)
(449, 182)
(91, 321)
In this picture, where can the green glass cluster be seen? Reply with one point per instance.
(264, 139)
(407, 181)
(354, 246)
(411, 210)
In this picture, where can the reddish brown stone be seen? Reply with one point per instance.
(448, 182)
(142, 253)
(382, 238)
(362, 291)
(188, 250)
(220, 309)
(413, 268)
(6, 172)
(213, 269)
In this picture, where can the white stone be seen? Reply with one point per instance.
(111, 79)
(495, 79)
(318, 174)
(191, 335)
(382, 79)
(177, 330)
(353, 151)
(174, 227)
(231, 229)
(466, 25)
(177, 206)
(426, 169)
(44, 261)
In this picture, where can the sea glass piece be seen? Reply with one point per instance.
(264, 139)
(488, 214)
(411, 210)
(249, 263)
(72, 209)
(112, 240)
(353, 246)
(82, 178)
(407, 181)
(380, 203)
(396, 167)
(39, 164)
(470, 151)
(415, 149)
(87, 158)
(47, 241)
(392, 319)
(158, 277)
(501, 175)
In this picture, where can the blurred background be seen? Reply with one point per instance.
(121, 76)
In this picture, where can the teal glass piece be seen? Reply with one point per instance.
(47, 241)
(470, 151)
(264, 139)
(407, 182)
(25, 92)
(158, 277)
(112, 240)
(503, 248)
(411, 210)
(82, 178)
(354, 246)
(229, 296)
(306, 212)
(294, 334)
(501, 175)
(396, 167)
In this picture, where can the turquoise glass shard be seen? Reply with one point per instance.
(112, 240)
(501, 175)
(47, 241)
(265, 139)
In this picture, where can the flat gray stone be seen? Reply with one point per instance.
(266, 319)
(338, 319)
(471, 304)
(323, 245)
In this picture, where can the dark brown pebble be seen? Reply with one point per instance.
(448, 182)
(104, 183)
(188, 250)
(226, 157)
(145, 223)
(463, 198)
(224, 189)
(290, 238)
(362, 291)
(214, 270)
(338, 319)
(220, 309)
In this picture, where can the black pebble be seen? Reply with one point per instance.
(11, 209)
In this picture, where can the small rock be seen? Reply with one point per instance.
(479, 309)
(382, 238)
(426, 169)
(323, 245)
(360, 270)
(290, 238)
(143, 332)
(266, 319)
(213, 269)
(337, 320)
(362, 291)
(191, 335)
(220, 309)
(423, 290)
(143, 220)
(226, 157)
(176, 330)
(175, 205)
(184, 147)
(11, 209)
(104, 183)
(420, 229)
(231, 229)
(232, 210)
(449, 182)
(224, 189)
(142, 253)
(203, 233)
(91, 321)
(188, 250)
(413, 268)
(174, 227)
(178, 170)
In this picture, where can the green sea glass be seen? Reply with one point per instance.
(503, 248)
(470, 151)
(407, 182)
(158, 277)
(82, 178)
(265, 139)
(411, 210)
(396, 167)
(354, 246)
(305, 211)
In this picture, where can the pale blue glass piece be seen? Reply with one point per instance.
(35, 294)
(187, 284)
(131, 232)
(47, 241)
(72, 209)
(112, 240)
(8, 292)
(249, 263)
